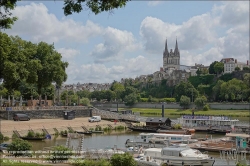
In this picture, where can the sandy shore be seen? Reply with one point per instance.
(7, 126)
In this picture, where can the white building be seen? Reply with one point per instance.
(230, 66)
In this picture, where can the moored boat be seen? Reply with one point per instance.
(174, 156)
(33, 138)
(148, 140)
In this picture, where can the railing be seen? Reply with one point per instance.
(26, 108)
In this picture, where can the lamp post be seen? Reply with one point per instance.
(162, 109)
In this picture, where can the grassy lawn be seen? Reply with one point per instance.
(153, 111)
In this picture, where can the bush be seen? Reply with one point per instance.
(19, 147)
(60, 153)
(206, 107)
(85, 101)
(101, 162)
(1, 136)
(123, 159)
(168, 100)
(98, 128)
(143, 99)
(31, 134)
(177, 126)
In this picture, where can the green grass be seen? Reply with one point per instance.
(154, 111)
(8, 162)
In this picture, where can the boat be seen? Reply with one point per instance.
(143, 129)
(33, 138)
(174, 156)
(186, 132)
(93, 131)
(148, 140)
(84, 132)
(215, 124)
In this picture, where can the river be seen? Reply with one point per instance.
(118, 139)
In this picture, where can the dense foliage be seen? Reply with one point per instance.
(29, 69)
(19, 147)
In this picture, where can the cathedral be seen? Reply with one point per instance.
(171, 60)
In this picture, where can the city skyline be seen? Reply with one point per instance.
(130, 42)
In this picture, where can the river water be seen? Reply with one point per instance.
(118, 139)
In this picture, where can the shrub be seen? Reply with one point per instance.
(143, 99)
(19, 147)
(123, 159)
(101, 162)
(60, 153)
(177, 126)
(1, 136)
(98, 128)
(31, 134)
(206, 107)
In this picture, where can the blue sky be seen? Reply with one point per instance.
(130, 41)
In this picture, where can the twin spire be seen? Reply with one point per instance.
(176, 50)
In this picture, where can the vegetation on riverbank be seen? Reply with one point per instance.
(7, 162)
(157, 112)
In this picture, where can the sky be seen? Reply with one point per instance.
(129, 42)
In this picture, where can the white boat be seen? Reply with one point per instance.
(174, 156)
(158, 140)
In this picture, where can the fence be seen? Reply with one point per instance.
(31, 108)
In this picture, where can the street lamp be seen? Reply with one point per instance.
(162, 109)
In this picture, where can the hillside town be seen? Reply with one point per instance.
(172, 71)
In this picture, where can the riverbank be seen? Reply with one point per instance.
(157, 112)
(7, 126)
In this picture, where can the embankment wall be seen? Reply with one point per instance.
(46, 114)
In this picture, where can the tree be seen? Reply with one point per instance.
(96, 6)
(219, 67)
(198, 72)
(83, 93)
(237, 68)
(53, 68)
(6, 20)
(185, 102)
(85, 101)
(130, 99)
(186, 89)
(200, 101)
(211, 68)
(125, 159)
(109, 95)
(118, 88)
(19, 147)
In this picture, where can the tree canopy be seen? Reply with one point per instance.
(70, 7)
(30, 67)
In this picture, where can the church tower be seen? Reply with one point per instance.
(171, 59)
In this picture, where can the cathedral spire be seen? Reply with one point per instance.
(176, 50)
(165, 53)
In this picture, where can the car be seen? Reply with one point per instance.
(95, 119)
(18, 117)
(4, 146)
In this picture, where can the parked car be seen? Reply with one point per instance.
(4, 146)
(17, 117)
(95, 119)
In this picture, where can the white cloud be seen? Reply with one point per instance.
(69, 53)
(36, 21)
(154, 3)
(192, 34)
(116, 42)
(100, 73)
